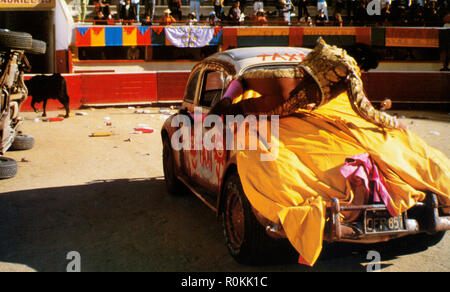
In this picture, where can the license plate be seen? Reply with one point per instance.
(382, 221)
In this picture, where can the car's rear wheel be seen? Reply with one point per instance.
(246, 238)
(174, 186)
(22, 142)
(8, 168)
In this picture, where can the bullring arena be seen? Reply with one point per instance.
(94, 183)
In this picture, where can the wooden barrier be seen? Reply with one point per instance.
(132, 88)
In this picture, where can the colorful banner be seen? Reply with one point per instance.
(233, 37)
(189, 36)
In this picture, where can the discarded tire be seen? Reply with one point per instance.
(22, 142)
(8, 168)
(15, 40)
(37, 48)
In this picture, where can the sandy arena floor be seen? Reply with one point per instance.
(106, 199)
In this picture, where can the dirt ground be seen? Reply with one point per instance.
(105, 198)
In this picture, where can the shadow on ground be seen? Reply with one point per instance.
(131, 225)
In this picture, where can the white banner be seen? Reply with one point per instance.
(189, 36)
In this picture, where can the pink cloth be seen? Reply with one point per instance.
(360, 169)
(234, 90)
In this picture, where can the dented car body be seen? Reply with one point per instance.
(212, 175)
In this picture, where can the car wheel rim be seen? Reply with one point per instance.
(235, 220)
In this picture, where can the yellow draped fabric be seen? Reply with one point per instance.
(294, 189)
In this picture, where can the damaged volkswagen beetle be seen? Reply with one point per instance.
(322, 186)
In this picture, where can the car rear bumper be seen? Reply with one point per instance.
(429, 221)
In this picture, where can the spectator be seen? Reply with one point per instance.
(257, 6)
(83, 9)
(321, 18)
(150, 8)
(338, 20)
(260, 18)
(99, 18)
(322, 5)
(302, 9)
(104, 7)
(218, 8)
(147, 21)
(127, 13)
(235, 13)
(212, 19)
(286, 6)
(136, 5)
(167, 18)
(352, 5)
(133, 53)
(192, 18)
(175, 7)
(361, 14)
(195, 7)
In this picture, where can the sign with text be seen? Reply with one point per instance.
(27, 4)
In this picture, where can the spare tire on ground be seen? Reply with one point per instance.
(22, 142)
(8, 168)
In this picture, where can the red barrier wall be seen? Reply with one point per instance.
(91, 89)
(119, 88)
(408, 86)
(171, 85)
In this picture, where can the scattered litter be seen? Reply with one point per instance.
(53, 120)
(131, 108)
(100, 135)
(144, 130)
(81, 114)
(435, 133)
(127, 140)
(136, 132)
(152, 116)
(139, 111)
(147, 112)
(24, 160)
(412, 122)
(37, 120)
(109, 124)
(165, 111)
(107, 119)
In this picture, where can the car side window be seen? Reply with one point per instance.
(189, 95)
(212, 88)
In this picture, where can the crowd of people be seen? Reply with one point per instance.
(285, 12)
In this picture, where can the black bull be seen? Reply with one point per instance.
(42, 88)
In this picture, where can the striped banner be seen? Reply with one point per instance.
(233, 37)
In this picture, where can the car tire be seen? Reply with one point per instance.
(15, 40)
(173, 184)
(22, 142)
(8, 168)
(246, 239)
(37, 48)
